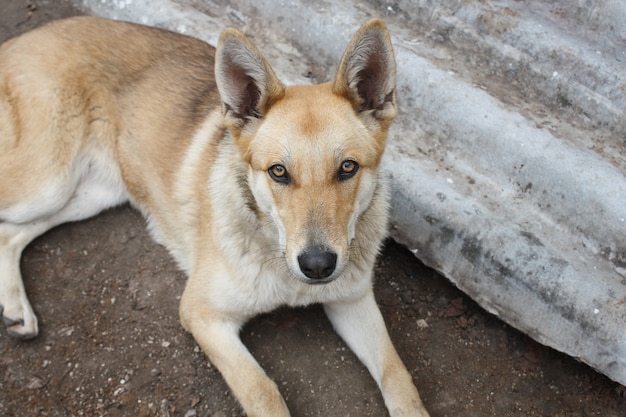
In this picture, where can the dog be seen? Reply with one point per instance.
(265, 195)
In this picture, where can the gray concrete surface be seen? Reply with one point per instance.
(508, 158)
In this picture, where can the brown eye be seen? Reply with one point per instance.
(347, 169)
(279, 174)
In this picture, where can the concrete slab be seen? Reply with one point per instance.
(508, 157)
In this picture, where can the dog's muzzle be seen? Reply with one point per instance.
(318, 264)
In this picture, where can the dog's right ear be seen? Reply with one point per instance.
(367, 73)
(246, 82)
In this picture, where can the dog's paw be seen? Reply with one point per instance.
(21, 322)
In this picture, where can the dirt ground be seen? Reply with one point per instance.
(111, 344)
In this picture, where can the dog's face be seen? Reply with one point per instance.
(313, 171)
(313, 152)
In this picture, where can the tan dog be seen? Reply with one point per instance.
(264, 195)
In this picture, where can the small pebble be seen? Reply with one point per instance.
(36, 383)
(407, 297)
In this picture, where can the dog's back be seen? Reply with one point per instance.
(77, 83)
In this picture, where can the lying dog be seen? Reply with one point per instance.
(265, 195)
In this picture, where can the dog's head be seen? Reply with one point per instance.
(313, 151)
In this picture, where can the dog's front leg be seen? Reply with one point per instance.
(15, 309)
(218, 336)
(360, 324)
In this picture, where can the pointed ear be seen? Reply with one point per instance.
(367, 72)
(246, 82)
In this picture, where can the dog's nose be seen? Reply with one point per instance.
(317, 263)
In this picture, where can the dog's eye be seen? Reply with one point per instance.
(348, 169)
(279, 174)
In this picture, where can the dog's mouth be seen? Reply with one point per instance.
(317, 281)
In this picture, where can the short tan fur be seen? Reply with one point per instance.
(265, 195)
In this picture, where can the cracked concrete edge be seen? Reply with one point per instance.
(530, 226)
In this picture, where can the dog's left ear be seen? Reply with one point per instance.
(367, 72)
(245, 80)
